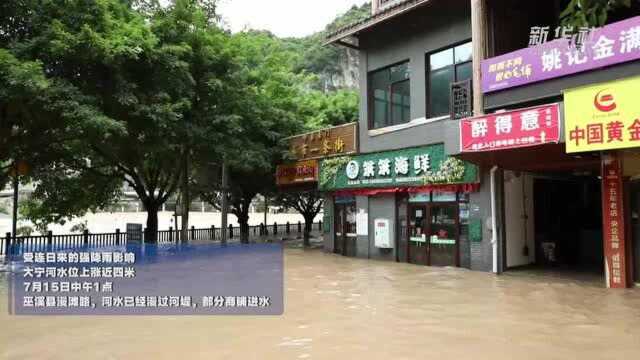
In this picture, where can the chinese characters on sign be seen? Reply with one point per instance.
(402, 168)
(382, 167)
(577, 36)
(149, 280)
(604, 116)
(612, 44)
(508, 130)
(613, 222)
(298, 173)
(335, 141)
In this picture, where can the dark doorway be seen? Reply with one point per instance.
(635, 227)
(568, 224)
(345, 228)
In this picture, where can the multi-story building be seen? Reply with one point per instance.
(547, 177)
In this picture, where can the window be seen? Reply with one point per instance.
(390, 96)
(445, 67)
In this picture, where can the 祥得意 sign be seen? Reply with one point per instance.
(603, 116)
(513, 129)
(612, 44)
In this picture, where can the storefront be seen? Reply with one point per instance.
(436, 223)
(605, 117)
(408, 205)
(567, 148)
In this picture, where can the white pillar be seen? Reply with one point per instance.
(375, 4)
(479, 39)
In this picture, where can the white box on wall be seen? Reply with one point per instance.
(382, 234)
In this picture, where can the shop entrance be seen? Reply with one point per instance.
(433, 234)
(345, 228)
(554, 225)
(568, 224)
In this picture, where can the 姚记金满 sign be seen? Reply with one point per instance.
(603, 117)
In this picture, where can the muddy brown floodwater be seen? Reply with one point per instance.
(342, 308)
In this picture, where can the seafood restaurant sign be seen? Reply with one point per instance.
(612, 44)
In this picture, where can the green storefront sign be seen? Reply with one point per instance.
(417, 166)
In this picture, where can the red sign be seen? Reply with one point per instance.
(512, 129)
(613, 222)
(300, 172)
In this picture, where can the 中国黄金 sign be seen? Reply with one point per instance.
(334, 141)
(603, 117)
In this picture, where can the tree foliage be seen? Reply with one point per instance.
(94, 94)
(590, 13)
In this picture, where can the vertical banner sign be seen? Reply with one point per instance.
(613, 222)
(513, 129)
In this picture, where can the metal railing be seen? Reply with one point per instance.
(51, 242)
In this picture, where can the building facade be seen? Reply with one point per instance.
(409, 201)
(491, 137)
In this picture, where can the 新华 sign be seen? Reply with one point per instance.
(612, 44)
(603, 116)
(513, 129)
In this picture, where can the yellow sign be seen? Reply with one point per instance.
(603, 117)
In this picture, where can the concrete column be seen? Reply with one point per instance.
(375, 4)
(479, 33)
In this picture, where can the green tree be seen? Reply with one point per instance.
(320, 110)
(308, 203)
(590, 12)
(264, 100)
(136, 97)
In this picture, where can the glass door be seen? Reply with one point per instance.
(338, 232)
(349, 228)
(417, 235)
(345, 229)
(443, 234)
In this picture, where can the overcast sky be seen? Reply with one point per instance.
(284, 18)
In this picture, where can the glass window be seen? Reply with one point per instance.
(464, 71)
(390, 96)
(439, 82)
(400, 102)
(463, 53)
(441, 59)
(445, 67)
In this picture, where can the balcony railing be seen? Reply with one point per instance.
(461, 100)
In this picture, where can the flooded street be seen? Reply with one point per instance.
(342, 308)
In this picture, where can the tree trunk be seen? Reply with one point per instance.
(224, 203)
(186, 201)
(186, 204)
(243, 221)
(308, 223)
(151, 233)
